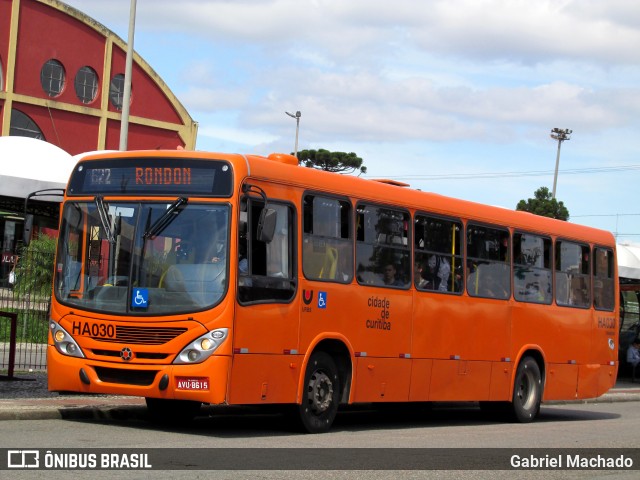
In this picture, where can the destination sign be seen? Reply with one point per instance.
(152, 176)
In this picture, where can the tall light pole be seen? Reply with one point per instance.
(297, 116)
(126, 98)
(560, 135)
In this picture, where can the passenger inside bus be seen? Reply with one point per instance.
(437, 273)
(420, 281)
(218, 254)
(390, 277)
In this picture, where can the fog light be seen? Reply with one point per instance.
(193, 355)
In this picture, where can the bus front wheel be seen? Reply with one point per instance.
(527, 391)
(321, 394)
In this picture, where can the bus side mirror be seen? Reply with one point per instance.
(26, 231)
(266, 228)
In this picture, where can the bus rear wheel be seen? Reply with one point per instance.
(527, 391)
(321, 394)
(172, 412)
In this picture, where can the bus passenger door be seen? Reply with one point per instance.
(266, 325)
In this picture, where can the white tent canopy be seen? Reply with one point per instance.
(27, 165)
(629, 261)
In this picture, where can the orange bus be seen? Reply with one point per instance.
(191, 277)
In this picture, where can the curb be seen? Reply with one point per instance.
(72, 407)
(615, 397)
(105, 412)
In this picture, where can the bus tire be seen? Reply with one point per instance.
(527, 391)
(321, 394)
(172, 412)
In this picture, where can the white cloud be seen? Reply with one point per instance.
(521, 30)
(434, 85)
(235, 135)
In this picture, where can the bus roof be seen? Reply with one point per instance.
(387, 192)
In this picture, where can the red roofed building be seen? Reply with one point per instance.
(62, 80)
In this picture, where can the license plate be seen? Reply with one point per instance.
(192, 383)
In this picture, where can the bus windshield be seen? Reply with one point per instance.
(139, 258)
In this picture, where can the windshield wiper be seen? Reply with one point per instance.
(103, 213)
(163, 222)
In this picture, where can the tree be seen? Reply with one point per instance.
(544, 205)
(339, 162)
(34, 271)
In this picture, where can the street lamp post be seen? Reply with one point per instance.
(297, 116)
(560, 135)
(126, 98)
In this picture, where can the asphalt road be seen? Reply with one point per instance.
(594, 425)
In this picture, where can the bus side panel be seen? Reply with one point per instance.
(562, 382)
(595, 380)
(420, 380)
(382, 380)
(606, 379)
(376, 321)
(437, 320)
(501, 381)
(588, 380)
(264, 379)
(266, 329)
(486, 332)
(460, 380)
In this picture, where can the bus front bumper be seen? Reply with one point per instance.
(203, 382)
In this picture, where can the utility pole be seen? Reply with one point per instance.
(126, 98)
(560, 135)
(297, 116)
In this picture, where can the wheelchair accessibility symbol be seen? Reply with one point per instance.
(322, 299)
(140, 298)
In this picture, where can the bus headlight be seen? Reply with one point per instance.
(64, 343)
(202, 347)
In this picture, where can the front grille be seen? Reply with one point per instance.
(126, 377)
(143, 355)
(143, 335)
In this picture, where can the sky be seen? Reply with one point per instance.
(457, 97)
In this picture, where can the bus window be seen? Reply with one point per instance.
(270, 272)
(603, 279)
(573, 279)
(438, 254)
(532, 268)
(488, 265)
(382, 247)
(327, 251)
